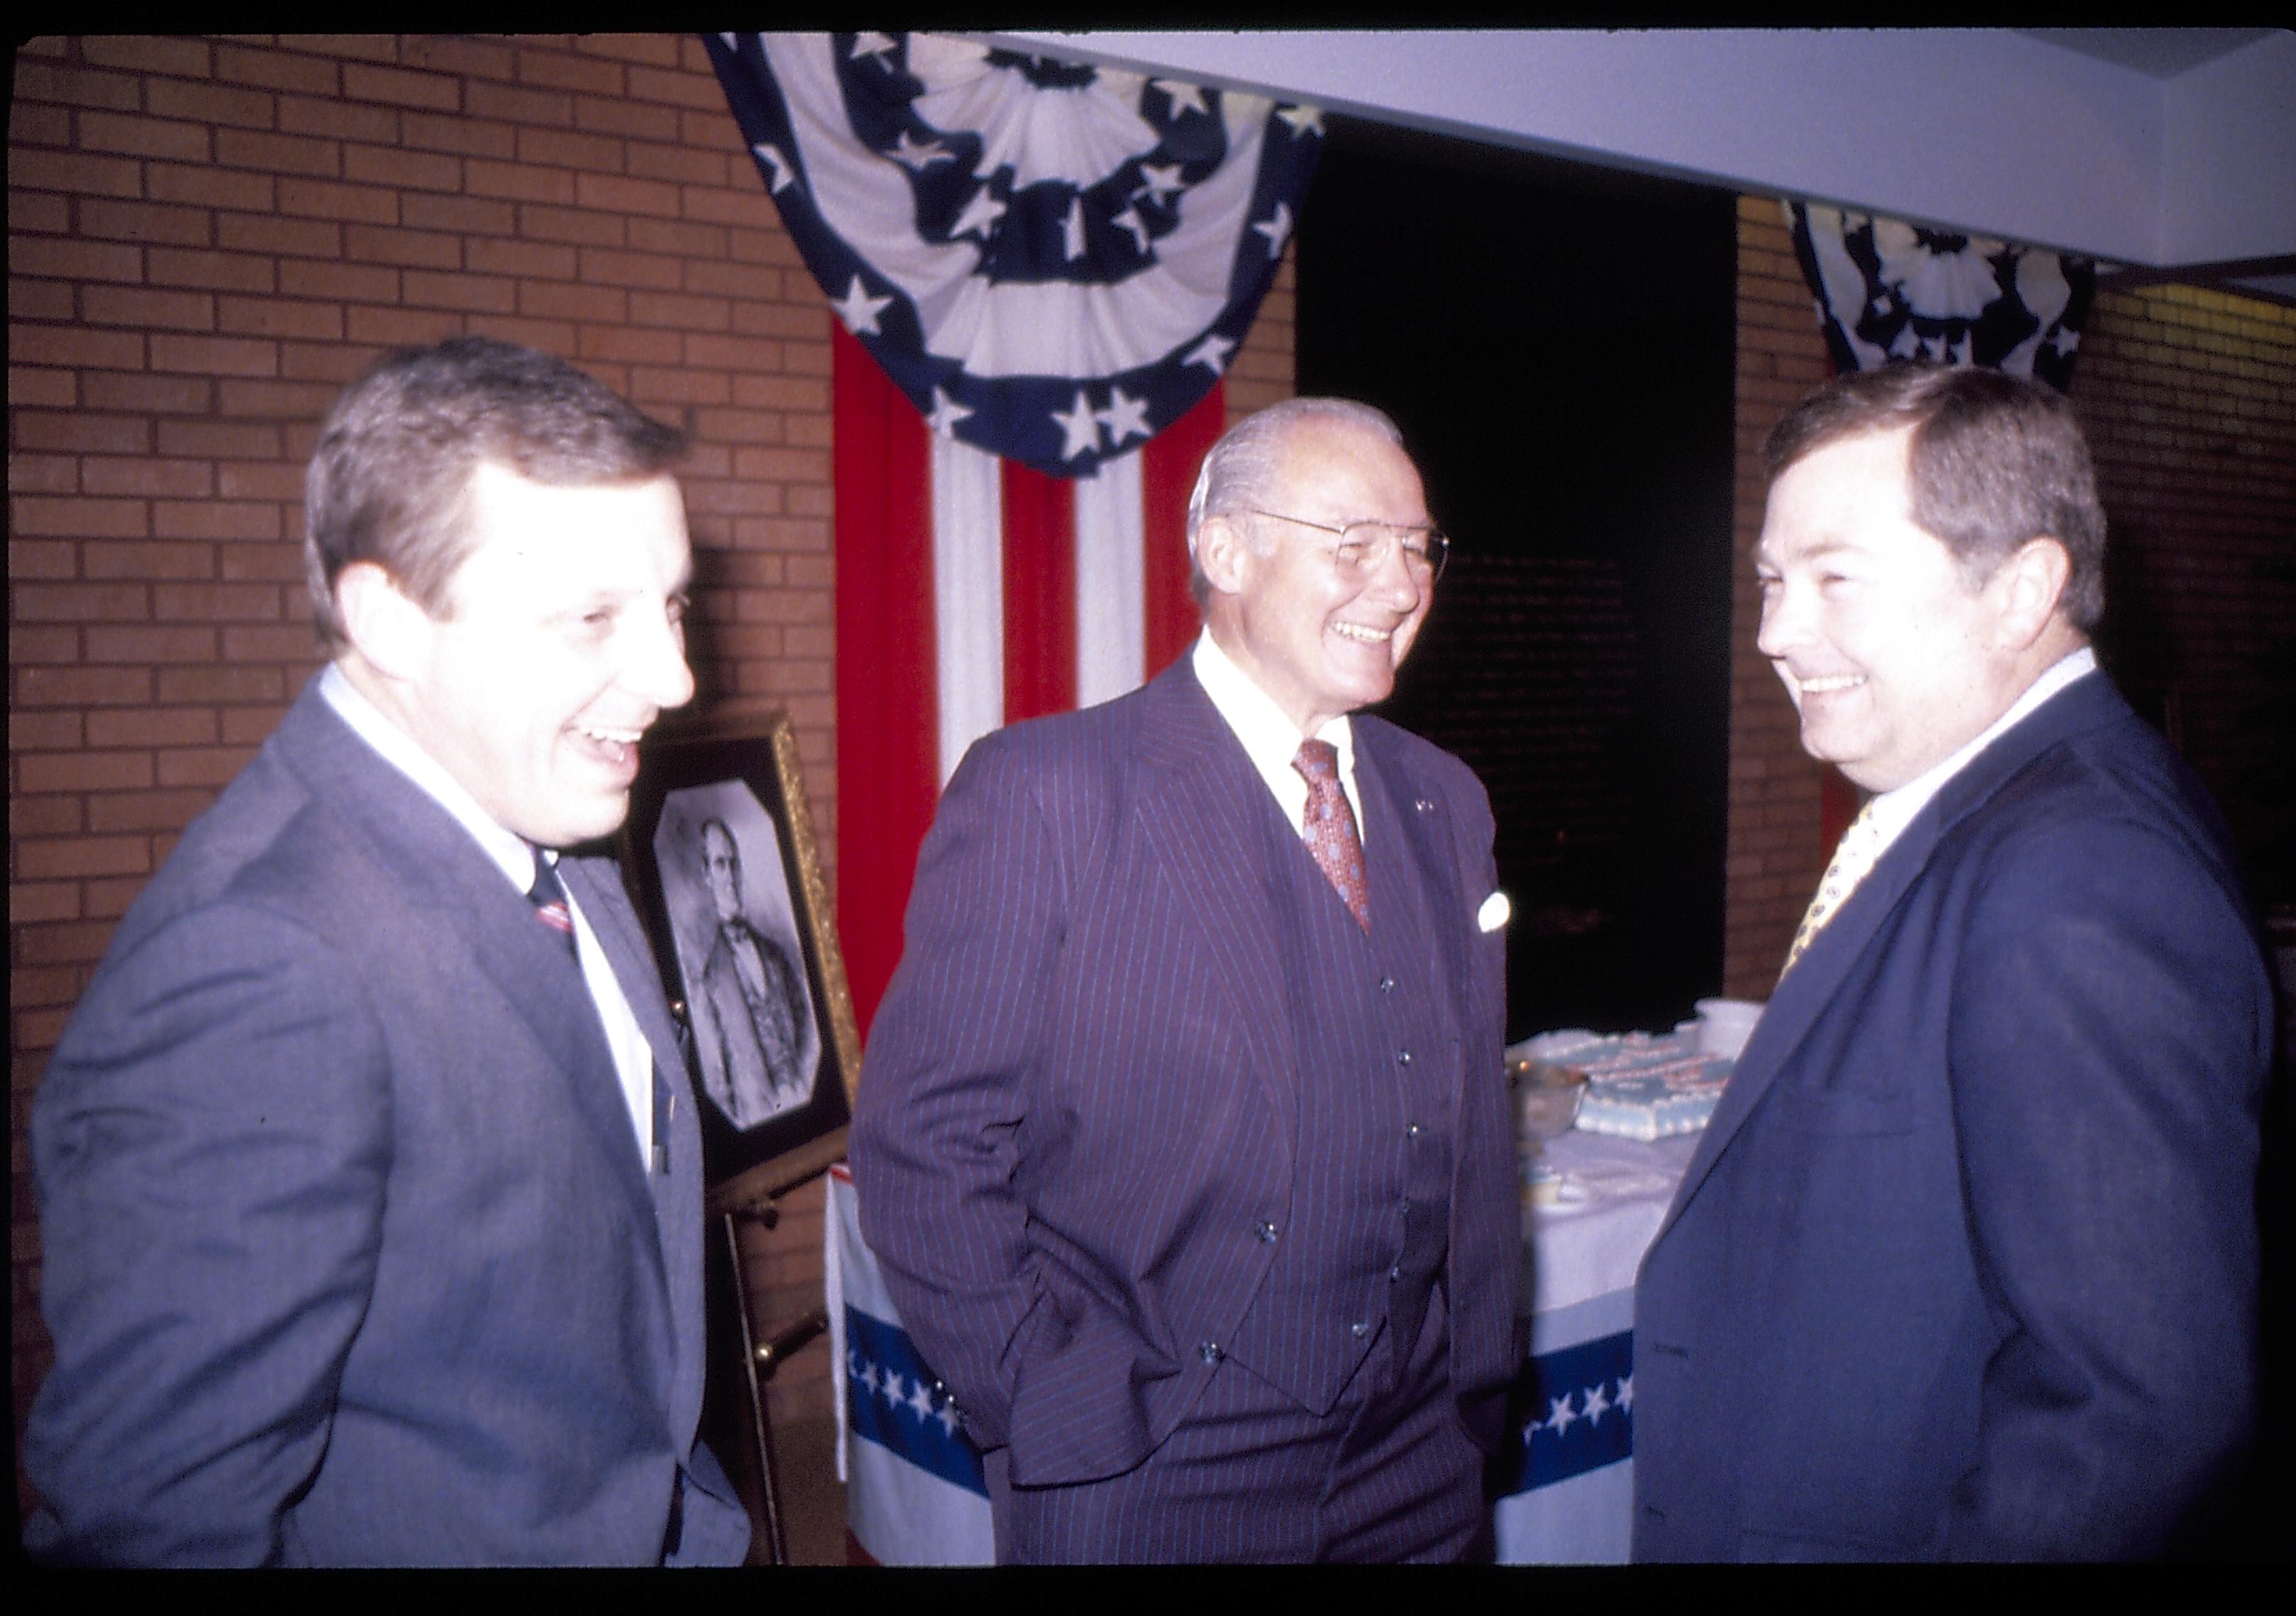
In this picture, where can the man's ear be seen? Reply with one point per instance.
(384, 624)
(2028, 586)
(1221, 554)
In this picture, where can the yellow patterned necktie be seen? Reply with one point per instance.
(1329, 827)
(1853, 857)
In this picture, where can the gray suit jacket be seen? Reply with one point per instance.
(350, 1256)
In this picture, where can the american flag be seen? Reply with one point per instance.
(1040, 273)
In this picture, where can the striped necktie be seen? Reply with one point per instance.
(548, 896)
(1853, 857)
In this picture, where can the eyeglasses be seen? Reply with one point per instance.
(1365, 547)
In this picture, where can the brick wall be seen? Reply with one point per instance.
(207, 238)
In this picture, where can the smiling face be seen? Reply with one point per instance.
(1319, 644)
(563, 640)
(1894, 659)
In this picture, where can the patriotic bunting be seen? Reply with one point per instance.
(1888, 290)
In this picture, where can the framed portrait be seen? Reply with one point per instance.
(720, 855)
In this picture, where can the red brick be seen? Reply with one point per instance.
(516, 182)
(82, 944)
(77, 517)
(44, 474)
(185, 58)
(49, 301)
(515, 104)
(616, 115)
(146, 727)
(80, 687)
(545, 299)
(539, 260)
(655, 50)
(260, 480)
(575, 224)
(756, 359)
(75, 260)
(551, 336)
(351, 282)
(333, 119)
(131, 221)
(147, 477)
(107, 898)
(215, 518)
(215, 355)
(746, 206)
(151, 645)
(204, 767)
(654, 386)
(77, 772)
(275, 234)
(28, 645)
(324, 198)
(215, 271)
(681, 311)
(411, 171)
(569, 72)
(433, 92)
(215, 438)
(31, 211)
(687, 166)
(30, 387)
(31, 902)
(400, 327)
(630, 345)
(274, 564)
(465, 215)
(44, 81)
(42, 558)
(448, 53)
(699, 91)
(612, 267)
(275, 70)
(31, 124)
(186, 684)
(141, 136)
(421, 289)
(335, 363)
(298, 401)
(564, 149)
(615, 194)
(464, 137)
(283, 154)
(146, 560)
(287, 643)
(278, 317)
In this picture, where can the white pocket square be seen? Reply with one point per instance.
(1494, 912)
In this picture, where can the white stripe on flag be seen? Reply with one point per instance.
(968, 513)
(1112, 608)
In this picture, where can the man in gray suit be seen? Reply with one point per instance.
(751, 1009)
(1184, 1140)
(368, 1168)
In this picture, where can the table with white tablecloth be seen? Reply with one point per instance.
(1572, 1493)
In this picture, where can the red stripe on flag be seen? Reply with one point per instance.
(887, 721)
(1167, 476)
(1040, 593)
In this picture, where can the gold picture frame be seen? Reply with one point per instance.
(719, 852)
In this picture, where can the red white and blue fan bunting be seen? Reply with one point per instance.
(1889, 290)
(1053, 262)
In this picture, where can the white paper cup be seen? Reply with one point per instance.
(1724, 1025)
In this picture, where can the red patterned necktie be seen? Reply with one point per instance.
(548, 896)
(1329, 827)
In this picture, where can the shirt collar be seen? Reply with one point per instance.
(508, 850)
(1269, 737)
(1893, 811)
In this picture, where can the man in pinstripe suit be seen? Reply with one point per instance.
(1184, 1140)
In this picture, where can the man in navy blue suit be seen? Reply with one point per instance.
(370, 1183)
(1966, 1264)
(1184, 1138)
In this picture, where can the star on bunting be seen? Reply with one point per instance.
(878, 46)
(785, 175)
(1124, 418)
(1083, 431)
(1560, 1413)
(1211, 353)
(982, 211)
(1303, 119)
(1183, 97)
(918, 155)
(1163, 179)
(1277, 230)
(1130, 221)
(859, 310)
(946, 411)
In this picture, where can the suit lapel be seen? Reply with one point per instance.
(440, 873)
(1805, 991)
(1199, 800)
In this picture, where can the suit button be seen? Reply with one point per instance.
(1394, 1274)
(1387, 984)
(1403, 1057)
(1360, 1330)
(1267, 1233)
(1411, 1130)
(1210, 1352)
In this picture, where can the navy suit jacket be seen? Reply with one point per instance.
(1080, 1097)
(349, 1254)
(1966, 1264)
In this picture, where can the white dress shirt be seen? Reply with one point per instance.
(1893, 811)
(513, 854)
(1270, 739)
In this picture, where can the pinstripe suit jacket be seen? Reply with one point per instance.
(350, 1256)
(1080, 1097)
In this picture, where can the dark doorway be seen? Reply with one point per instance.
(1556, 341)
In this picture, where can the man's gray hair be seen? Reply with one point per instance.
(1240, 470)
